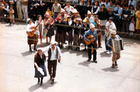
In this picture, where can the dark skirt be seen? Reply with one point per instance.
(69, 38)
(38, 74)
(50, 32)
(33, 40)
(59, 37)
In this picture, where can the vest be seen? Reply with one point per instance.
(49, 53)
(94, 9)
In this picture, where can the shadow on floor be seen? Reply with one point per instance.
(102, 54)
(44, 86)
(26, 53)
(110, 69)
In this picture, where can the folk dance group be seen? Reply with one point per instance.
(73, 35)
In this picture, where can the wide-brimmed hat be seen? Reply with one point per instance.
(53, 43)
(74, 11)
(91, 26)
(88, 12)
(62, 10)
(113, 32)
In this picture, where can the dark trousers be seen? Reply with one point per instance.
(117, 22)
(125, 26)
(52, 67)
(107, 48)
(55, 15)
(94, 51)
(99, 39)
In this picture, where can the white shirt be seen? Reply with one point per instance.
(96, 10)
(53, 52)
(111, 26)
(68, 9)
(29, 26)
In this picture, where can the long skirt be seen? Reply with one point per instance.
(50, 32)
(38, 74)
(33, 40)
(59, 37)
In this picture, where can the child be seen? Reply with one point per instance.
(11, 15)
(50, 12)
(132, 26)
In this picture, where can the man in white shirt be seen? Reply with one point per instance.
(110, 26)
(54, 54)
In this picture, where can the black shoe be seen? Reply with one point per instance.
(41, 83)
(95, 61)
(85, 49)
(113, 66)
(68, 47)
(71, 47)
(78, 48)
(52, 81)
(38, 80)
(88, 60)
(116, 63)
(99, 47)
(35, 49)
(30, 50)
(50, 77)
(61, 46)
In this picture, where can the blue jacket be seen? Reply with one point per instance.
(89, 32)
